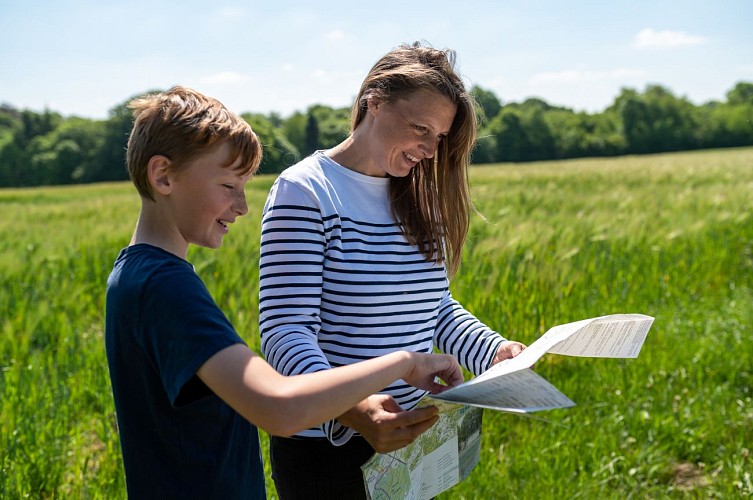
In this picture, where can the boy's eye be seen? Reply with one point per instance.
(421, 128)
(229, 186)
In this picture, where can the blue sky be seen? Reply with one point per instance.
(84, 57)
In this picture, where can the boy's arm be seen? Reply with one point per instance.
(286, 405)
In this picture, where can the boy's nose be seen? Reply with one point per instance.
(241, 206)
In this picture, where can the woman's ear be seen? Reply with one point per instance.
(158, 171)
(372, 104)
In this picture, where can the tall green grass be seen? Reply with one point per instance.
(666, 235)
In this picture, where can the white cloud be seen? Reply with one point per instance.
(648, 38)
(225, 78)
(288, 68)
(581, 76)
(335, 35)
(745, 69)
(232, 12)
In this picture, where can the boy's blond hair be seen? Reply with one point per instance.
(181, 124)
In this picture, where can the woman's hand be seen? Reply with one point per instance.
(508, 349)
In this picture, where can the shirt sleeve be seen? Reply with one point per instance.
(461, 334)
(183, 328)
(291, 264)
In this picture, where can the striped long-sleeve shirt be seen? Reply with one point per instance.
(339, 283)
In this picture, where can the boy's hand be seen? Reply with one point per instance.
(426, 367)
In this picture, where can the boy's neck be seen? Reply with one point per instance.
(153, 229)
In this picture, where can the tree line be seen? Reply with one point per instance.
(46, 148)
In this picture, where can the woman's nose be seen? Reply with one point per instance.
(428, 147)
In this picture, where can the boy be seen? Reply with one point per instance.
(187, 389)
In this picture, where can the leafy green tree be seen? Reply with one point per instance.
(539, 141)
(294, 128)
(46, 148)
(10, 123)
(278, 150)
(741, 93)
(311, 142)
(570, 133)
(509, 134)
(275, 119)
(636, 121)
(12, 165)
(732, 125)
(487, 101)
(657, 121)
(485, 150)
(675, 120)
(536, 103)
(62, 155)
(35, 124)
(582, 134)
(110, 161)
(11, 156)
(606, 137)
(24, 127)
(333, 125)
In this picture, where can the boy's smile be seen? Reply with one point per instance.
(206, 196)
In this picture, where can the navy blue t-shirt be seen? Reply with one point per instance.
(179, 440)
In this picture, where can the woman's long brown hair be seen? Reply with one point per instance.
(433, 203)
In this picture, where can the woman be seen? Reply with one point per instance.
(357, 245)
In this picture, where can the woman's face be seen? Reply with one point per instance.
(405, 131)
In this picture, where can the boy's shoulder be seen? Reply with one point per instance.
(140, 263)
(142, 254)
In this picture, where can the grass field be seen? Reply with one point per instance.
(669, 235)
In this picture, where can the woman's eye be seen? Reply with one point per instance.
(229, 186)
(421, 128)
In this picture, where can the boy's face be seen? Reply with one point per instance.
(206, 196)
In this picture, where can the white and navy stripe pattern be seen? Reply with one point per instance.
(339, 283)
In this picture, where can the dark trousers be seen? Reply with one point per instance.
(315, 469)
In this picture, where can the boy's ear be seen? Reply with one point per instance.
(158, 170)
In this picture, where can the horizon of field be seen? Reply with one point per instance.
(667, 235)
